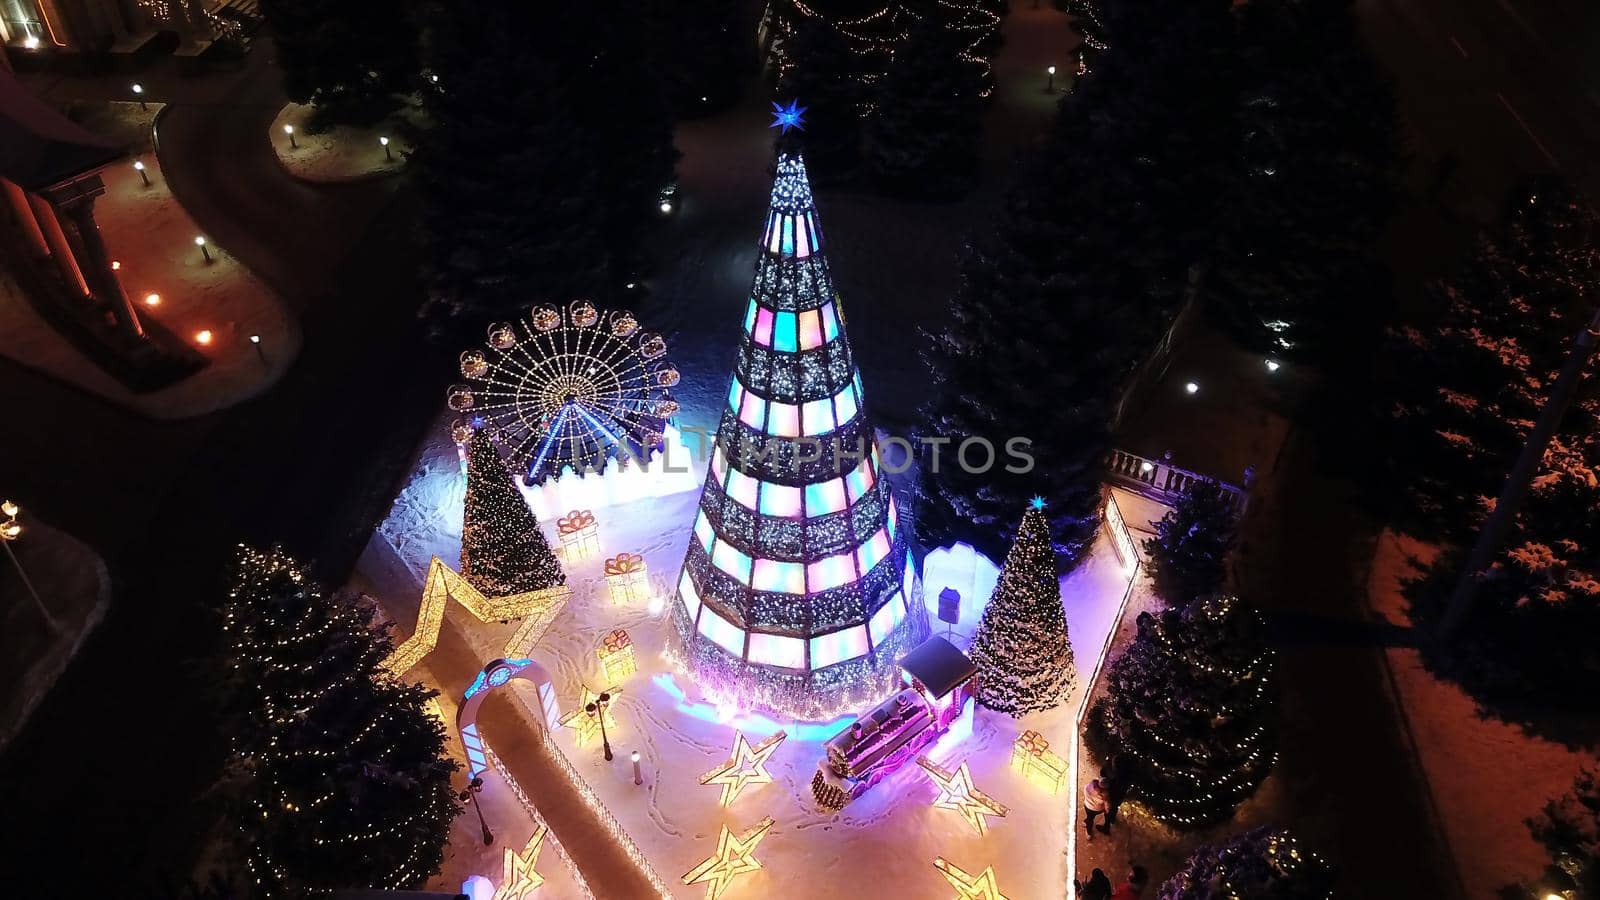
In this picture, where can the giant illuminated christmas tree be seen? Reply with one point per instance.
(797, 592)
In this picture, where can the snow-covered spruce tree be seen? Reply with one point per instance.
(823, 75)
(339, 774)
(706, 80)
(353, 60)
(1569, 829)
(923, 139)
(1189, 553)
(1467, 388)
(1266, 863)
(1188, 712)
(1023, 656)
(503, 550)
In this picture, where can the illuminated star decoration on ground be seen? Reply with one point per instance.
(787, 117)
(536, 608)
(587, 726)
(520, 879)
(956, 792)
(746, 765)
(732, 859)
(968, 886)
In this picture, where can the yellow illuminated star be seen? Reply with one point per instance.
(520, 879)
(957, 793)
(968, 886)
(442, 584)
(587, 726)
(731, 860)
(746, 765)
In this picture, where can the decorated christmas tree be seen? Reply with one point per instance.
(503, 550)
(1265, 864)
(1189, 553)
(1023, 656)
(797, 592)
(1188, 712)
(340, 775)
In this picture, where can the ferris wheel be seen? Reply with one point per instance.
(567, 387)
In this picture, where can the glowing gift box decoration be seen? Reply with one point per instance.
(616, 656)
(628, 578)
(579, 533)
(1032, 758)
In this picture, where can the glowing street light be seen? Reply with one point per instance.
(666, 206)
(138, 91)
(31, 42)
(1191, 388)
(200, 241)
(203, 337)
(138, 166)
(637, 778)
(386, 154)
(598, 710)
(470, 795)
(1273, 365)
(10, 530)
(255, 339)
(1050, 86)
(152, 299)
(289, 130)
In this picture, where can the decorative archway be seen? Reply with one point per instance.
(497, 673)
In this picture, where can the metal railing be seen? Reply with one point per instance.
(1159, 479)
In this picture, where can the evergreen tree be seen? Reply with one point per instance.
(1569, 830)
(823, 74)
(703, 52)
(1188, 712)
(633, 153)
(1266, 863)
(503, 550)
(1189, 553)
(1021, 649)
(1466, 389)
(1296, 270)
(924, 139)
(341, 776)
(1086, 266)
(353, 60)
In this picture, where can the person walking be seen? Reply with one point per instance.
(1112, 782)
(1098, 887)
(1094, 805)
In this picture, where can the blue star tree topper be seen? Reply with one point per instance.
(787, 117)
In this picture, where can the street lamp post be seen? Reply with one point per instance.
(138, 166)
(200, 241)
(1050, 86)
(598, 708)
(470, 795)
(637, 777)
(386, 154)
(289, 130)
(138, 91)
(10, 530)
(256, 340)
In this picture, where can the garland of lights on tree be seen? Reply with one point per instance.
(341, 774)
(1188, 555)
(568, 388)
(503, 550)
(1188, 712)
(1267, 863)
(1021, 649)
(797, 592)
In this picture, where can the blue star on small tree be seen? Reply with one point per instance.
(787, 117)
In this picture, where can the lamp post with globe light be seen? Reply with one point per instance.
(471, 795)
(598, 709)
(10, 530)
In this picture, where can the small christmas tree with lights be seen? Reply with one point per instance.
(1189, 553)
(503, 550)
(340, 774)
(1265, 864)
(1023, 656)
(1188, 712)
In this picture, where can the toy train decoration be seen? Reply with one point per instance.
(939, 680)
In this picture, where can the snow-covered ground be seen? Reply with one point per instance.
(892, 832)
(338, 154)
